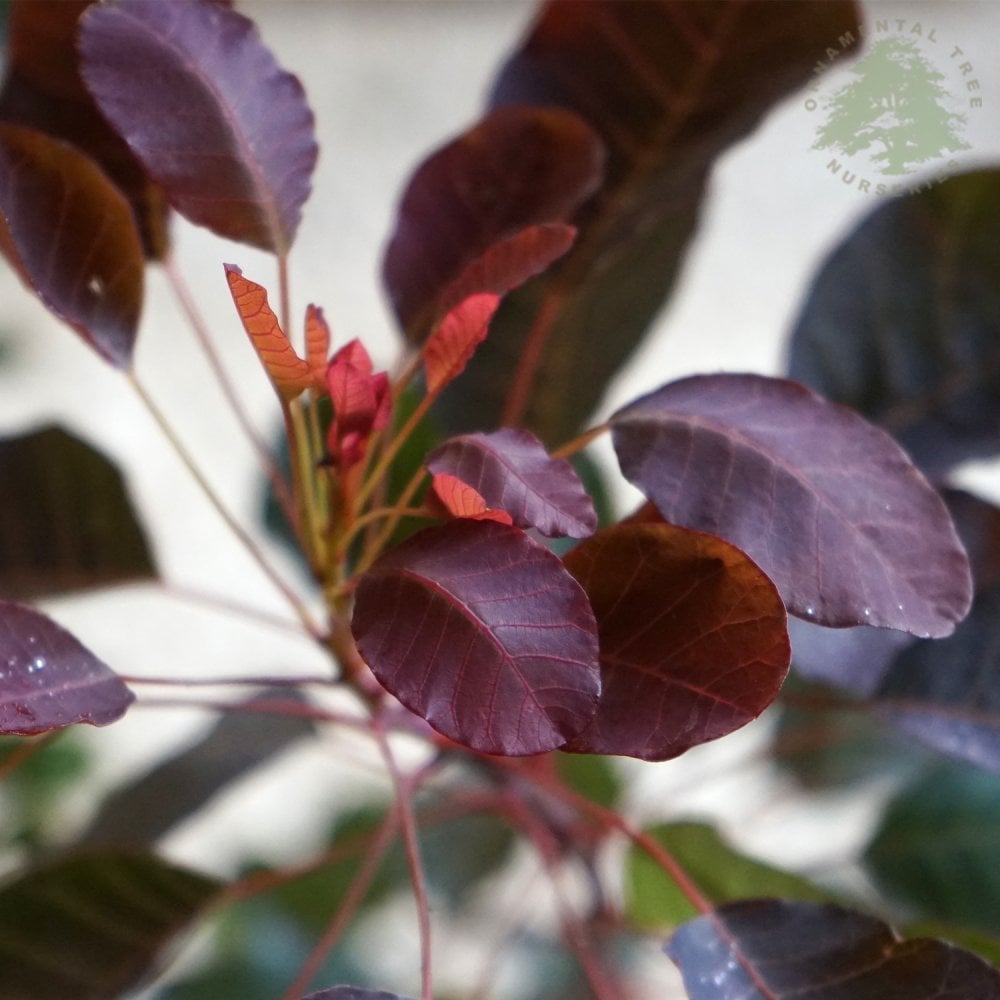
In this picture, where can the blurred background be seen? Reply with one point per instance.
(389, 82)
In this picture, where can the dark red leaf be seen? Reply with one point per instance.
(692, 638)
(48, 680)
(458, 499)
(455, 339)
(827, 505)
(511, 470)
(215, 121)
(668, 86)
(72, 236)
(66, 521)
(519, 168)
(773, 950)
(483, 633)
(900, 322)
(43, 89)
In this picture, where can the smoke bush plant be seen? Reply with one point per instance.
(473, 597)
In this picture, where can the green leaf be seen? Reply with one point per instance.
(92, 926)
(653, 901)
(66, 520)
(937, 851)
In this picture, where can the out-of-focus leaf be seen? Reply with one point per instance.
(773, 950)
(353, 993)
(138, 814)
(49, 680)
(668, 87)
(43, 89)
(204, 106)
(592, 776)
(483, 633)
(455, 339)
(653, 901)
(693, 643)
(66, 521)
(828, 505)
(901, 321)
(91, 927)
(947, 693)
(72, 237)
(986, 946)
(937, 849)
(289, 373)
(483, 213)
(511, 470)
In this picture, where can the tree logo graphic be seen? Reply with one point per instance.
(896, 105)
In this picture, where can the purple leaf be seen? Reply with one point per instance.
(511, 470)
(48, 680)
(477, 208)
(483, 633)
(73, 238)
(692, 638)
(215, 121)
(829, 506)
(773, 950)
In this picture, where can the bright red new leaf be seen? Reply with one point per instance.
(512, 470)
(458, 499)
(287, 371)
(362, 403)
(829, 506)
(73, 238)
(456, 338)
(48, 680)
(483, 633)
(692, 634)
(201, 101)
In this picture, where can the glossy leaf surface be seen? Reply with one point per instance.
(773, 950)
(828, 505)
(936, 852)
(481, 632)
(722, 874)
(667, 86)
(900, 323)
(289, 373)
(140, 812)
(72, 237)
(91, 927)
(66, 521)
(43, 89)
(202, 103)
(692, 638)
(48, 679)
(518, 168)
(455, 339)
(512, 471)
